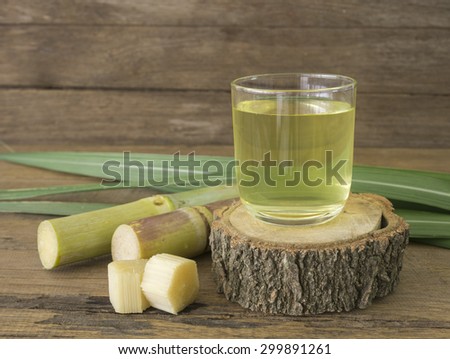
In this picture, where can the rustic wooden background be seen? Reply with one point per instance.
(115, 75)
(158, 72)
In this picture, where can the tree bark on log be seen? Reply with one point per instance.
(298, 270)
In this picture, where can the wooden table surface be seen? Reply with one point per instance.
(72, 302)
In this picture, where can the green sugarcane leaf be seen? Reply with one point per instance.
(416, 206)
(426, 224)
(134, 168)
(26, 193)
(170, 173)
(50, 207)
(421, 187)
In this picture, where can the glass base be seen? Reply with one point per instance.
(295, 217)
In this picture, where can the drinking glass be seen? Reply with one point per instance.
(293, 140)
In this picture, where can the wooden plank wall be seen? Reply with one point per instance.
(158, 72)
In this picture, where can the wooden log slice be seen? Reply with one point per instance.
(336, 266)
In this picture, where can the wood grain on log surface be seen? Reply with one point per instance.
(333, 267)
(72, 301)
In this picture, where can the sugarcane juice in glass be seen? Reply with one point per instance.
(295, 157)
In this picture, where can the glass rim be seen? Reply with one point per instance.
(350, 85)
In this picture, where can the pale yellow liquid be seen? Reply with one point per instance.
(297, 130)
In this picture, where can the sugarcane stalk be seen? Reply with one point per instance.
(86, 235)
(183, 232)
(82, 236)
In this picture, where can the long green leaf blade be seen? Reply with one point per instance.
(90, 163)
(50, 207)
(136, 169)
(25, 193)
(426, 224)
(428, 188)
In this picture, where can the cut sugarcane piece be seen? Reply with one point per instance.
(170, 283)
(124, 284)
(183, 232)
(71, 239)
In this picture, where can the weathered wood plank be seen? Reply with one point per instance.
(115, 117)
(195, 118)
(263, 13)
(73, 302)
(413, 158)
(208, 58)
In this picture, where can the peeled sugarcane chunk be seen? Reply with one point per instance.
(124, 282)
(170, 283)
